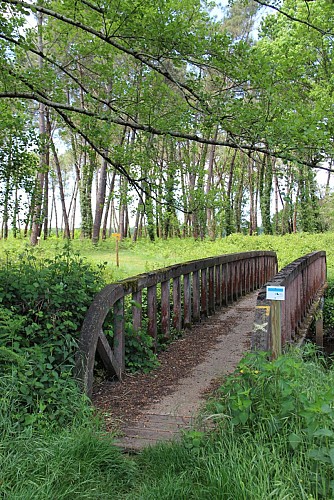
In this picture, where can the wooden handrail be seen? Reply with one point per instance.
(199, 287)
(281, 322)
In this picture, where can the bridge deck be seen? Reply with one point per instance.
(163, 418)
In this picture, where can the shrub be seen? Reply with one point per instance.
(43, 303)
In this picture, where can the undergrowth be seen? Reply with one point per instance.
(273, 437)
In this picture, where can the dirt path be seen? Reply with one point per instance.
(156, 406)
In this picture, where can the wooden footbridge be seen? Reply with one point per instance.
(201, 294)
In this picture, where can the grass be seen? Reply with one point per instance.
(253, 460)
(145, 256)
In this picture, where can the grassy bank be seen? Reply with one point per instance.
(274, 438)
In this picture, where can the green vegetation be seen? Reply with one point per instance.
(274, 422)
(175, 117)
(273, 438)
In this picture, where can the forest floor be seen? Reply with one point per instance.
(146, 408)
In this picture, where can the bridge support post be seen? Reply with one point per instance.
(319, 325)
(276, 335)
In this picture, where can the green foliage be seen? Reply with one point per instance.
(328, 311)
(43, 304)
(290, 398)
(139, 351)
(74, 462)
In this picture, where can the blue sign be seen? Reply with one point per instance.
(275, 293)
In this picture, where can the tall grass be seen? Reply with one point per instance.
(79, 461)
(282, 450)
(144, 255)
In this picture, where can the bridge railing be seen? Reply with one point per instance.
(185, 293)
(280, 322)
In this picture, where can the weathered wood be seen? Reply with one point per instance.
(204, 294)
(218, 286)
(187, 301)
(152, 313)
(211, 304)
(303, 280)
(107, 357)
(177, 317)
(119, 340)
(137, 310)
(218, 289)
(196, 297)
(224, 285)
(276, 339)
(165, 308)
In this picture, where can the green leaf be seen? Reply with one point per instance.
(294, 440)
(323, 433)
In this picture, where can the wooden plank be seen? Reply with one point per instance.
(177, 317)
(107, 357)
(276, 340)
(224, 284)
(204, 294)
(218, 286)
(119, 336)
(165, 308)
(211, 301)
(187, 301)
(137, 311)
(152, 313)
(196, 297)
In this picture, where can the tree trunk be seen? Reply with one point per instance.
(37, 212)
(100, 200)
(61, 189)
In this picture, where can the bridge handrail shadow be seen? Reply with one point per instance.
(278, 323)
(198, 288)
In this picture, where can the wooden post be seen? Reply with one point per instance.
(119, 336)
(165, 308)
(196, 297)
(137, 310)
(187, 301)
(118, 237)
(177, 318)
(276, 341)
(152, 313)
(319, 325)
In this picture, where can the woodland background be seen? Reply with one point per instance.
(159, 119)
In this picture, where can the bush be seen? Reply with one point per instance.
(43, 304)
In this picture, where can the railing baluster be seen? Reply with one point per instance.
(119, 334)
(218, 286)
(196, 297)
(211, 290)
(204, 294)
(177, 317)
(225, 284)
(187, 300)
(165, 308)
(137, 310)
(152, 313)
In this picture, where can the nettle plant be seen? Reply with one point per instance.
(291, 399)
(43, 303)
